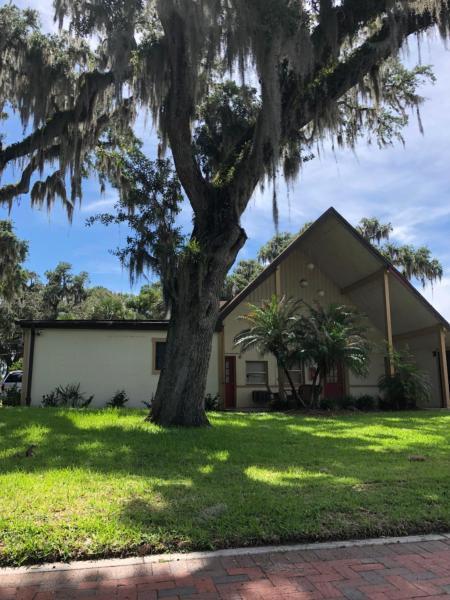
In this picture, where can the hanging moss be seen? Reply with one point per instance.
(318, 68)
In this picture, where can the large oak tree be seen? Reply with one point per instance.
(313, 67)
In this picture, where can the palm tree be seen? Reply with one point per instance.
(274, 247)
(272, 331)
(244, 273)
(414, 262)
(373, 231)
(329, 337)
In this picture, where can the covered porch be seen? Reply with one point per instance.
(394, 306)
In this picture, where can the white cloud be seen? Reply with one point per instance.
(439, 297)
(44, 8)
(92, 207)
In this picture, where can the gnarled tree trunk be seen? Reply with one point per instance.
(180, 395)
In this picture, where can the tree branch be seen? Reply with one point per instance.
(92, 84)
(9, 192)
(303, 102)
(178, 110)
(300, 101)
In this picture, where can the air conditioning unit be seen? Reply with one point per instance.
(261, 396)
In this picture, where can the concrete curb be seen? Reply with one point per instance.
(163, 558)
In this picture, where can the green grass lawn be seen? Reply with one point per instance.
(104, 483)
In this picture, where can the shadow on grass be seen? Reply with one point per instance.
(250, 479)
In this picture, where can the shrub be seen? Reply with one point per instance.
(407, 387)
(212, 402)
(366, 403)
(327, 403)
(51, 400)
(17, 365)
(68, 395)
(278, 404)
(119, 399)
(346, 402)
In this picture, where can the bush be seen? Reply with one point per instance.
(119, 399)
(366, 403)
(68, 396)
(278, 404)
(17, 365)
(212, 402)
(328, 403)
(11, 397)
(346, 402)
(407, 388)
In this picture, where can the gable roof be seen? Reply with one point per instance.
(366, 250)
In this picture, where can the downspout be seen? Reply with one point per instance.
(30, 366)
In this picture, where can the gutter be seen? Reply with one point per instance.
(30, 366)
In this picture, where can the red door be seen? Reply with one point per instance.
(230, 381)
(334, 386)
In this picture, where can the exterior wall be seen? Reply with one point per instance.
(425, 350)
(368, 385)
(102, 362)
(232, 326)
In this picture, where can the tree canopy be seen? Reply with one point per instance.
(323, 68)
(66, 295)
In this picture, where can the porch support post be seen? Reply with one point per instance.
(221, 354)
(280, 373)
(388, 321)
(444, 369)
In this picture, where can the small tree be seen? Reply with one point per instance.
(63, 291)
(331, 337)
(271, 331)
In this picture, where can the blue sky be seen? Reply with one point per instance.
(408, 186)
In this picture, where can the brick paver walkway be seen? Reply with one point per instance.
(377, 572)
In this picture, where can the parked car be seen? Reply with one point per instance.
(12, 380)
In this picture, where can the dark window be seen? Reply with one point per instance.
(160, 355)
(14, 378)
(333, 375)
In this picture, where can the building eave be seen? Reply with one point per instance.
(302, 238)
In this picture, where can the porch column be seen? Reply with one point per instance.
(221, 354)
(388, 320)
(280, 373)
(444, 368)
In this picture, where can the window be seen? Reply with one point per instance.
(256, 372)
(159, 354)
(297, 374)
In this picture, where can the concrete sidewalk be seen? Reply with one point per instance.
(390, 569)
